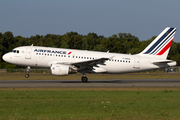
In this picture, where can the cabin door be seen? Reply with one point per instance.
(28, 53)
(136, 63)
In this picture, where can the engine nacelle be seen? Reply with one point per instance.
(59, 69)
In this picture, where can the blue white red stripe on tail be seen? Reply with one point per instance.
(165, 48)
(162, 43)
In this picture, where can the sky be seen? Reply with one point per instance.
(141, 18)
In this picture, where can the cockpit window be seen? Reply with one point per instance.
(15, 51)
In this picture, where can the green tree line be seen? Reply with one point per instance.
(118, 43)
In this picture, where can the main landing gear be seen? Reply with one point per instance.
(84, 79)
(27, 70)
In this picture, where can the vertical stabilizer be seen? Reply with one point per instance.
(160, 46)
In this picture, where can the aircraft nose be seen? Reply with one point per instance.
(5, 57)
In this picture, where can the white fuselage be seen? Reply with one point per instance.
(118, 63)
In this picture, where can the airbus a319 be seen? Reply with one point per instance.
(65, 61)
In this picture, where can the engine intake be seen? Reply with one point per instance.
(59, 69)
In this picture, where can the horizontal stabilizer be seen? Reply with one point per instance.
(162, 61)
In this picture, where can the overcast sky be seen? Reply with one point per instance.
(142, 18)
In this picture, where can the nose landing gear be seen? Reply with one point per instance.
(27, 70)
(26, 75)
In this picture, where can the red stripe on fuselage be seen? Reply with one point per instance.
(165, 48)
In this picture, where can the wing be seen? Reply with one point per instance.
(88, 65)
(91, 65)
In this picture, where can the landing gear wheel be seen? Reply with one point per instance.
(84, 79)
(27, 70)
(26, 75)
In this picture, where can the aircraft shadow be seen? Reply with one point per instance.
(95, 81)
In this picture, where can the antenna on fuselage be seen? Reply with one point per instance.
(32, 45)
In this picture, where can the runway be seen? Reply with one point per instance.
(111, 83)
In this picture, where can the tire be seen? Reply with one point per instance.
(84, 79)
(26, 75)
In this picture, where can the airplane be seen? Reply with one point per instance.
(65, 61)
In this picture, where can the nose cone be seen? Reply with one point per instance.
(5, 57)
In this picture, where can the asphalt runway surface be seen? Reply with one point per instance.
(112, 83)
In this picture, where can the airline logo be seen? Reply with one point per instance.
(50, 51)
(162, 44)
(69, 53)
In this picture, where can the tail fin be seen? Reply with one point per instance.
(160, 46)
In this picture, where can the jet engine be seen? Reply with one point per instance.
(59, 69)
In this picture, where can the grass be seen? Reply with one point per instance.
(95, 104)
(89, 103)
(47, 76)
